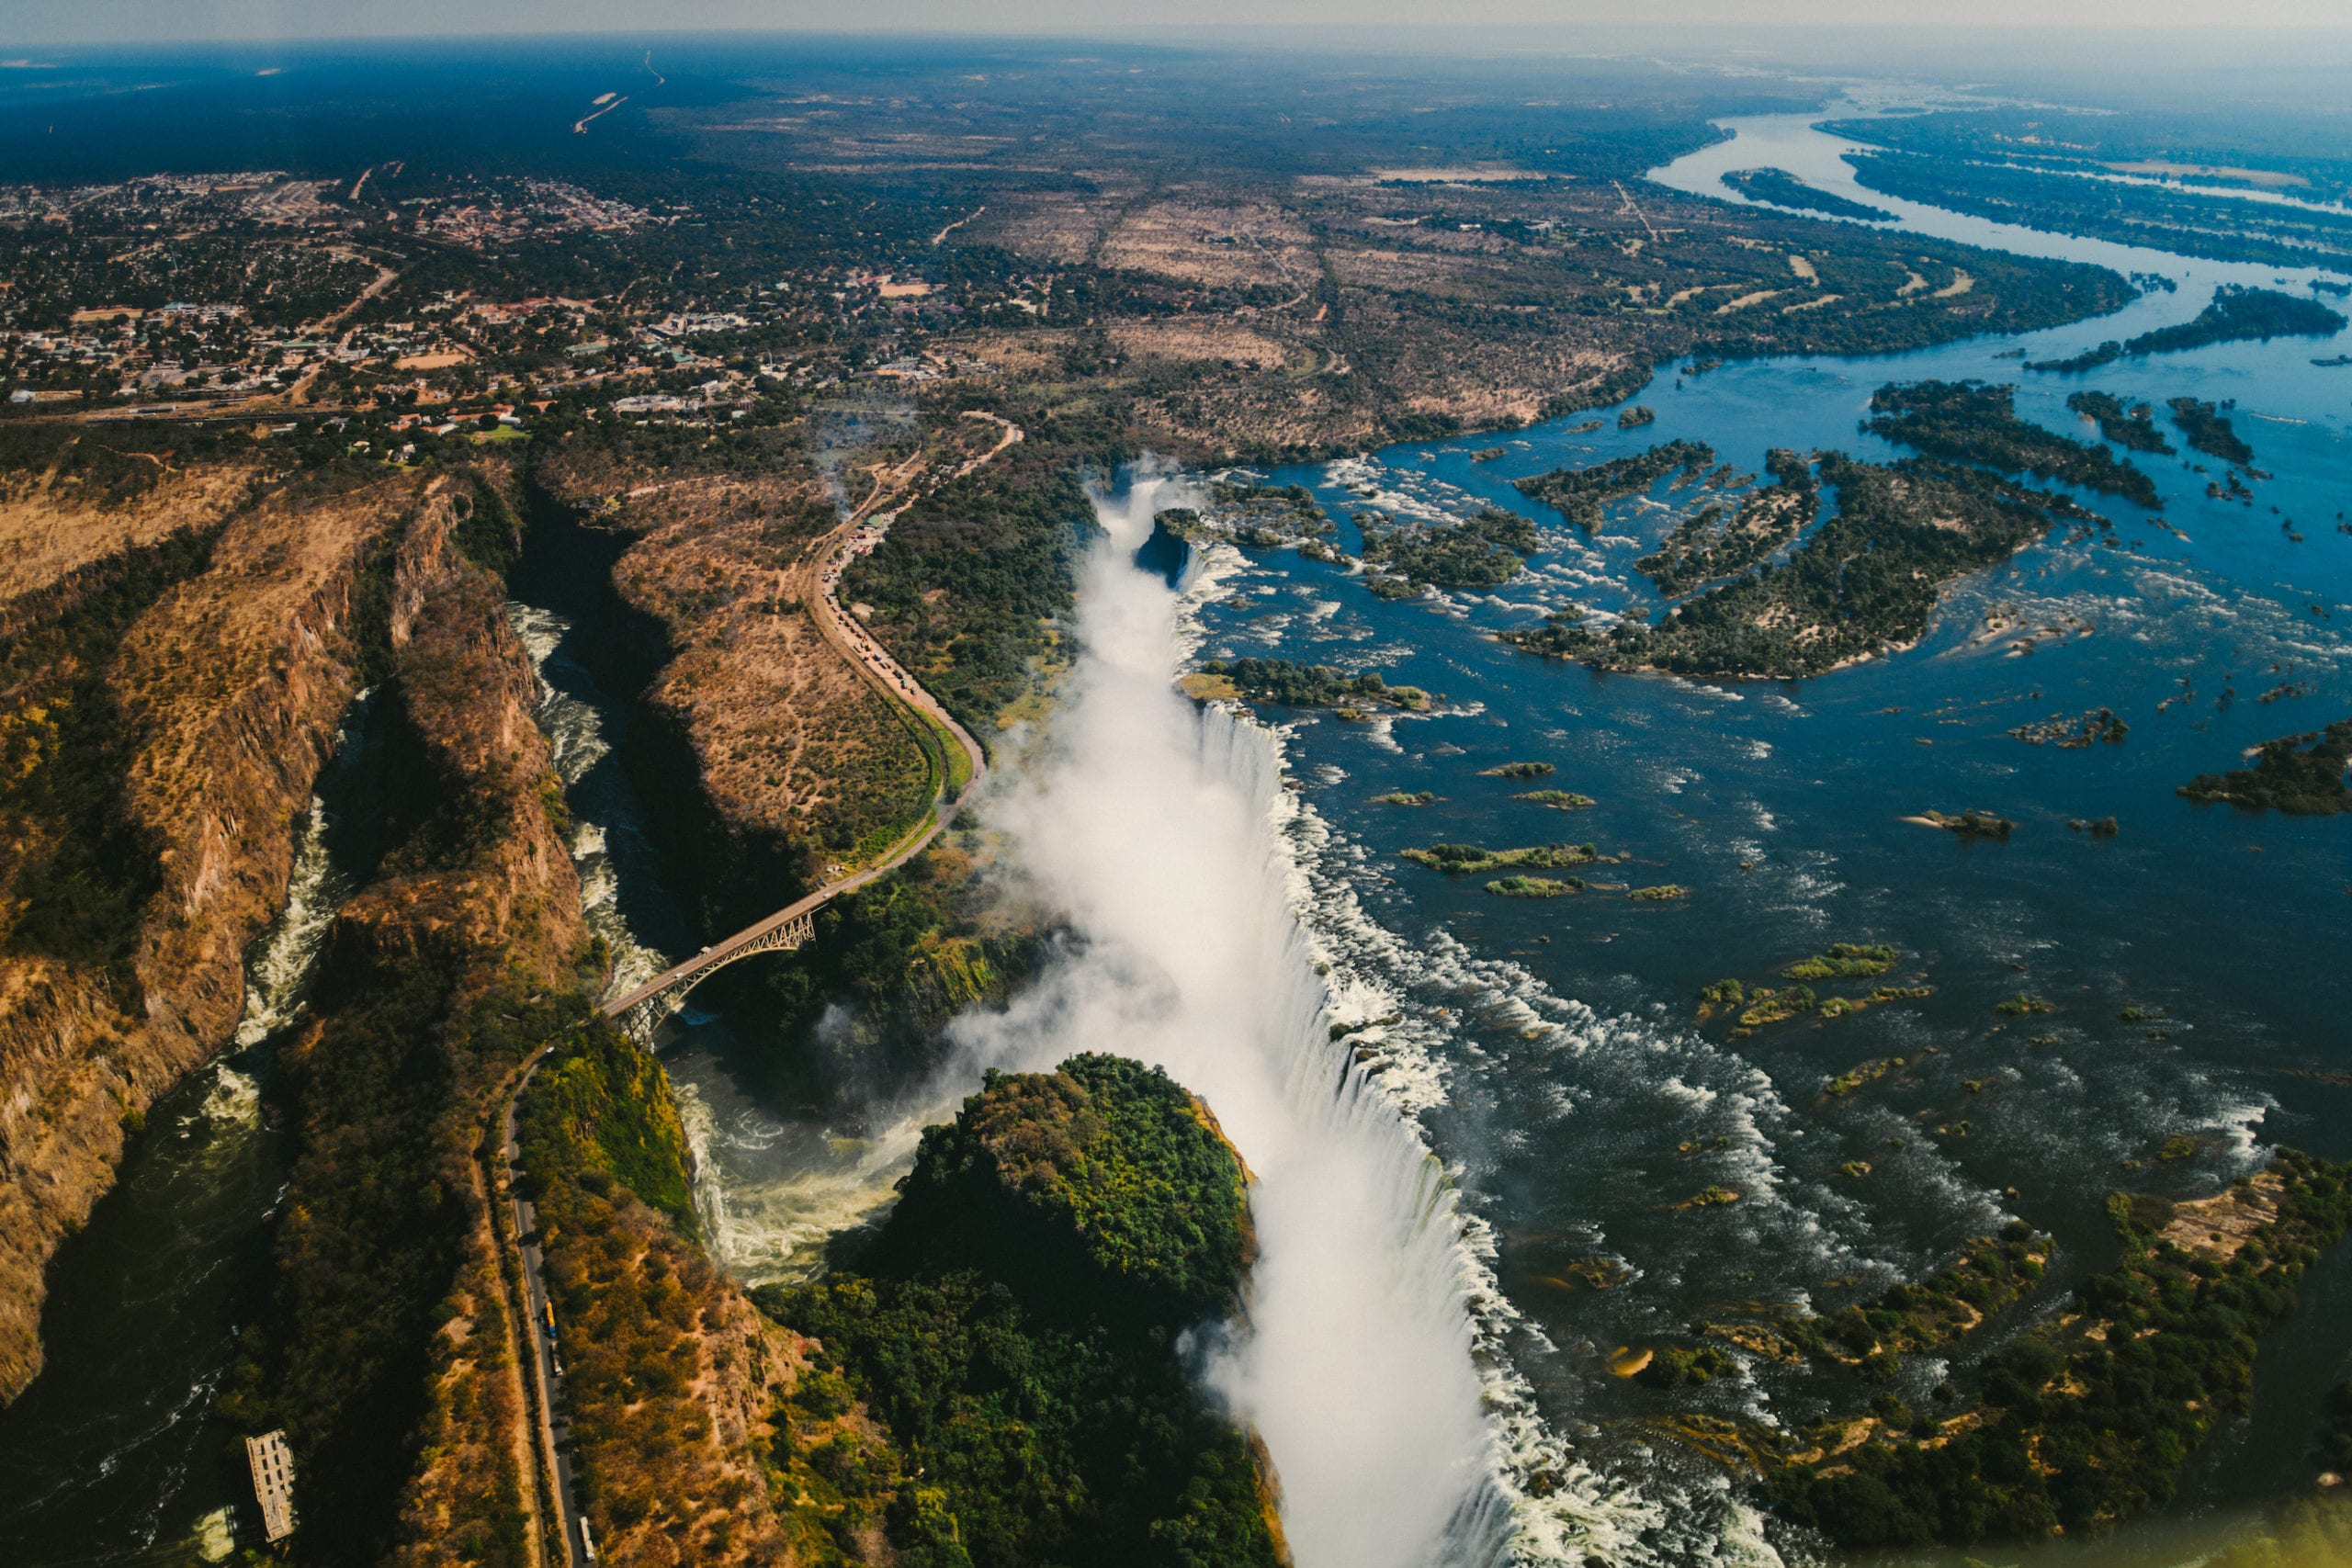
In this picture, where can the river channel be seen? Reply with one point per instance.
(1556, 1063)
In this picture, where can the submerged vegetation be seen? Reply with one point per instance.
(2074, 734)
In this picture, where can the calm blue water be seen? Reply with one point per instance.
(1583, 1101)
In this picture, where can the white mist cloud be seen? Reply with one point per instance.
(1151, 826)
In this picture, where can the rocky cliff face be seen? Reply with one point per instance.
(226, 689)
(400, 1381)
(797, 759)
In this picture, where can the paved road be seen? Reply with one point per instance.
(816, 582)
(554, 1431)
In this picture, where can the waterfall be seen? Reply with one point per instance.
(1155, 827)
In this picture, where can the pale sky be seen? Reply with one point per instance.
(153, 21)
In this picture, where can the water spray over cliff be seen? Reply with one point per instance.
(1153, 826)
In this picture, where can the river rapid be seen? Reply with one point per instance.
(1472, 1203)
(112, 1455)
(1576, 1099)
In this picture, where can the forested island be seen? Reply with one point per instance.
(1782, 188)
(1579, 494)
(2061, 201)
(1483, 551)
(2089, 1417)
(2207, 430)
(2299, 775)
(1864, 582)
(1299, 686)
(2132, 426)
(1970, 422)
(1706, 546)
(1012, 1331)
(2239, 312)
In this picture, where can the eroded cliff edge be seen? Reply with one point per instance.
(167, 711)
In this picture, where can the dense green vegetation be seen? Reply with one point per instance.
(2129, 425)
(1557, 799)
(969, 583)
(2207, 430)
(1310, 685)
(2239, 313)
(1704, 546)
(1844, 961)
(1014, 1330)
(1973, 823)
(600, 1103)
(1989, 1276)
(2215, 141)
(74, 871)
(1968, 422)
(2299, 775)
(2075, 1432)
(1483, 551)
(2160, 218)
(1866, 578)
(1784, 189)
(607, 1163)
(1580, 493)
(900, 957)
(1462, 859)
(1535, 886)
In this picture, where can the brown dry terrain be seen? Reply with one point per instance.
(228, 687)
(788, 744)
(1264, 318)
(56, 521)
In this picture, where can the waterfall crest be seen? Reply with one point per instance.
(1156, 827)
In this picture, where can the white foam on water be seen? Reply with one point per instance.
(276, 969)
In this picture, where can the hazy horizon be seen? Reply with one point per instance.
(48, 23)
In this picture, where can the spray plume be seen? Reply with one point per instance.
(1152, 825)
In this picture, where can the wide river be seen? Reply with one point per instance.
(1582, 1102)
(1557, 1068)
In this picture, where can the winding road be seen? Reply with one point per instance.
(815, 581)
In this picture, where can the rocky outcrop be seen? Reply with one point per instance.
(85, 501)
